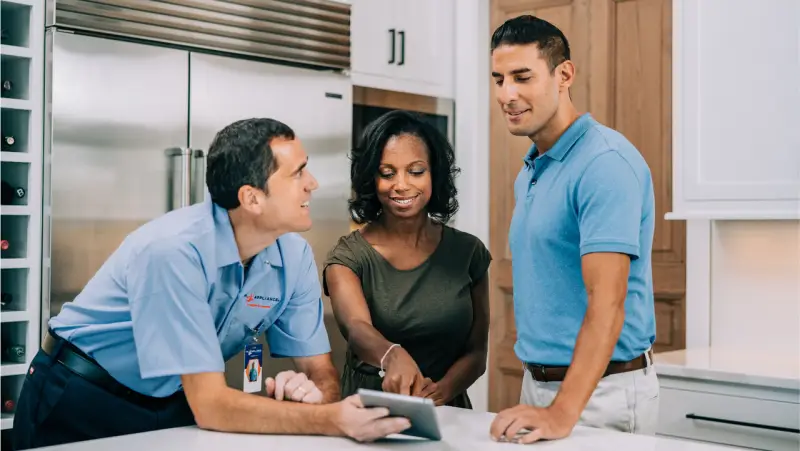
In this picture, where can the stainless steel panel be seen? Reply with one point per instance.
(116, 107)
(47, 148)
(318, 106)
(311, 31)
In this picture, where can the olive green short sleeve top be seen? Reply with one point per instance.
(428, 309)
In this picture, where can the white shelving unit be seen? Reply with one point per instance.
(21, 138)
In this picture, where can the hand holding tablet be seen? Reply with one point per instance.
(421, 412)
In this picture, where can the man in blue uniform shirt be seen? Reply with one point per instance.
(580, 238)
(144, 345)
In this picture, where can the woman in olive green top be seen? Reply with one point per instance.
(410, 294)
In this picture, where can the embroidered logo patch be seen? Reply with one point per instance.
(258, 301)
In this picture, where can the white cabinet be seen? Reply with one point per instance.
(736, 148)
(404, 45)
(738, 415)
(730, 396)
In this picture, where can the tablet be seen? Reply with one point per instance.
(421, 412)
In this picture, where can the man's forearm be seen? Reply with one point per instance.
(464, 372)
(327, 381)
(593, 350)
(231, 410)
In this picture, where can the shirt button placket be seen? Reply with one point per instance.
(533, 178)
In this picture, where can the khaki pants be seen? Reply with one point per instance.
(626, 402)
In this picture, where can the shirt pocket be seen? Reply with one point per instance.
(222, 306)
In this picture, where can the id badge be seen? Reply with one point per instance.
(252, 368)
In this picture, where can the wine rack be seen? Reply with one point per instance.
(21, 162)
(15, 134)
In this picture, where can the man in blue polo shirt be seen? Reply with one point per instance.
(144, 345)
(580, 238)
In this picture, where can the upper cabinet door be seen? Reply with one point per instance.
(404, 46)
(426, 38)
(373, 37)
(736, 140)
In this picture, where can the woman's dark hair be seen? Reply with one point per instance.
(365, 160)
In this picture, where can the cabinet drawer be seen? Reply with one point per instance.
(730, 420)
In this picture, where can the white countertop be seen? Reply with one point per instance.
(462, 430)
(737, 366)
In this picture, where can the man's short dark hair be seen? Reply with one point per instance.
(240, 155)
(527, 29)
(365, 160)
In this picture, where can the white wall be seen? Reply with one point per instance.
(472, 135)
(755, 285)
(743, 285)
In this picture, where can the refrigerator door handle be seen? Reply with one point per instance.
(198, 176)
(179, 177)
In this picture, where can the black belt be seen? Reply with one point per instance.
(84, 366)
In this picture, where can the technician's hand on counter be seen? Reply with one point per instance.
(293, 386)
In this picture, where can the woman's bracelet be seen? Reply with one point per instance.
(382, 373)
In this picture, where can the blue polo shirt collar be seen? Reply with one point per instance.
(227, 252)
(566, 142)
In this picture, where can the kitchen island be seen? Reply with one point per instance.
(462, 430)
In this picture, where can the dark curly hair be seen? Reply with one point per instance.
(365, 160)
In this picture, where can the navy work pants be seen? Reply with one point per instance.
(57, 406)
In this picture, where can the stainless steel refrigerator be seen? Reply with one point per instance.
(128, 125)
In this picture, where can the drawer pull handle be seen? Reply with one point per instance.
(692, 416)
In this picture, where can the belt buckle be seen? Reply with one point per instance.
(533, 368)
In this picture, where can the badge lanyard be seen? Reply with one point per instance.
(252, 365)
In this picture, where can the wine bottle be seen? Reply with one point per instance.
(9, 193)
(8, 405)
(15, 354)
(4, 244)
(9, 140)
(7, 85)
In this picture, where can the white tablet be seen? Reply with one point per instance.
(421, 412)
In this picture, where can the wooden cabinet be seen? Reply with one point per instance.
(736, 141)
(404, 46)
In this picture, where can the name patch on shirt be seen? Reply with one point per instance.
(258, 301)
